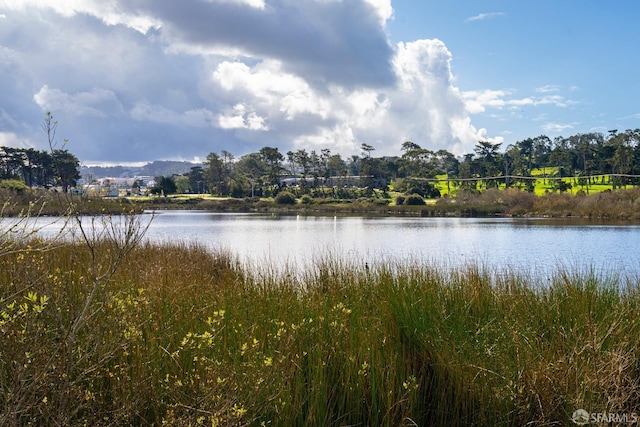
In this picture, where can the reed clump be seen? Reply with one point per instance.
(51, 203)
(182, 336)
(619, 204)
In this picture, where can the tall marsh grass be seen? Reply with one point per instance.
(181, 336)
(618, 204)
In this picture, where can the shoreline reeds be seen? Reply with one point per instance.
(178, 335)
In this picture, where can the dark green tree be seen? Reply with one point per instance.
(303, 160)
(489, 161)
(367, 149)
(165, 185)
(214, 173)
(197, 183)
(248, 175)
(541, 150)
(418, 162)
(336, 166)
(449, 165)
(273, 160)
(562, 156)
(11, 162)
(325, 155)
(67, 168)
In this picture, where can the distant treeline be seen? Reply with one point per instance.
(39, 168)
(615, 155)
(581, 156)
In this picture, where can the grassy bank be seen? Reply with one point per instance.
(622, 204)
(49, 203)
(181, 336)
(619, 204)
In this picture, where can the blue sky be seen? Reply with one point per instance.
(581, 54)
(141, 80)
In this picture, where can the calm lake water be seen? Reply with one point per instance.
(531, 246)
(537, 246)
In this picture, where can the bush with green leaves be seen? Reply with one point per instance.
(285, 198)
(414, 200)
(417, 186)
(561, 186)
(14, 185)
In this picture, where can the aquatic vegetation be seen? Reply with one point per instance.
(182, 336)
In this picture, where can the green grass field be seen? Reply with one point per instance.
(543, 185)
(179, 336)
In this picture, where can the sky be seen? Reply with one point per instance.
(132, 81)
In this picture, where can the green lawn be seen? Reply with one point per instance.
(542, 185)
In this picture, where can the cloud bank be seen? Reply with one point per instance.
(138, 80)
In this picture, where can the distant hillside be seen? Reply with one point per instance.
(156, 168)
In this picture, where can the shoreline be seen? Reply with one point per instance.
(620, 205)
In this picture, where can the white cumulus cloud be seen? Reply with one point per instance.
(144, 79)
(240, 118)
